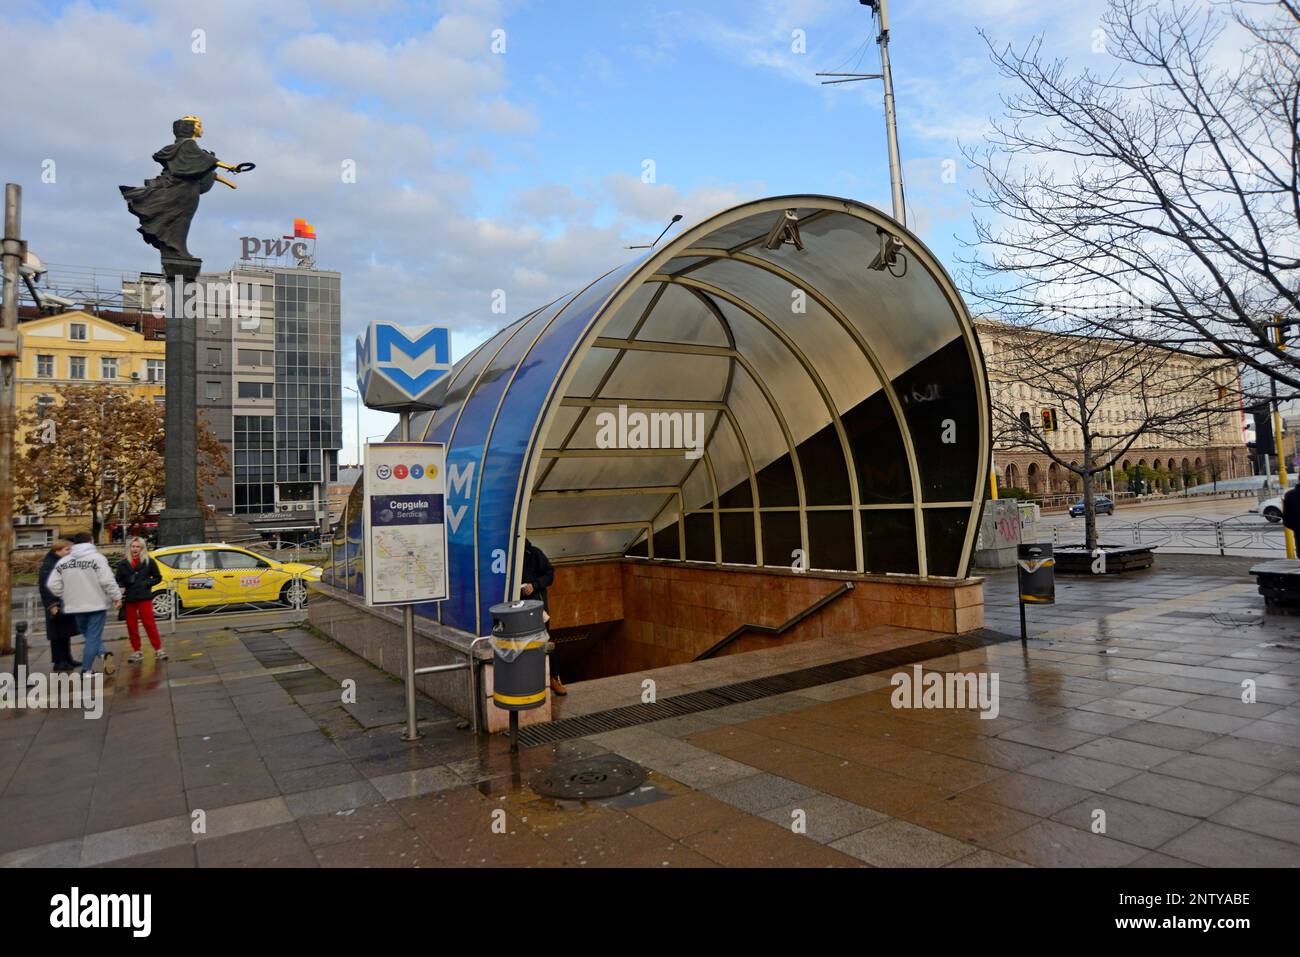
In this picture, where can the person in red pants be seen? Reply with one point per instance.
(137, 573)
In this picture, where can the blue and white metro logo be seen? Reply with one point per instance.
(399, 368)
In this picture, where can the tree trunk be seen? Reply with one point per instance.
(1089, 516)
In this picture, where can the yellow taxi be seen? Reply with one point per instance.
(219, 574)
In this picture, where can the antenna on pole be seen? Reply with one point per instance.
(881, 13)
(676, 218)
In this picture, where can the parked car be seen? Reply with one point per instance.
(145, 526)
(1101, 505)
(1271, 509)
(219, 574)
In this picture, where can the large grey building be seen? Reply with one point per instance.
(269, 387)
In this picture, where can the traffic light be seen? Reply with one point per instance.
(1049, 420)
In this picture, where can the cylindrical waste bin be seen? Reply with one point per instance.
(1036, 573)
(518, 655)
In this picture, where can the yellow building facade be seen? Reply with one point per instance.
(74, 349)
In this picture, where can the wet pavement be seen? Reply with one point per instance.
(1121, 739)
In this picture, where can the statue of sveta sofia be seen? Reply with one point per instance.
(166, 204)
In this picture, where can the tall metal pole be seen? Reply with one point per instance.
(412, 732)
(13, 254)
(891, 123)
(358, 395)
(880, 9)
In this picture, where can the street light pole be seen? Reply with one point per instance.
(13, 254)
(358, 395)
(880, 9)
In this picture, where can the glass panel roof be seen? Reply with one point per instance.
(769, 334)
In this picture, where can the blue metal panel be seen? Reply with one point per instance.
(465, 473)
(522, 409)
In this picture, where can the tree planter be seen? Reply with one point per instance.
(1279, 583)
(1078, 560)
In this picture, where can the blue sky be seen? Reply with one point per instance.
(478, 170)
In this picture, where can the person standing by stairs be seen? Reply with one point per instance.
(539, 575)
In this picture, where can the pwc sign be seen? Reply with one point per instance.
(399, 368)
(295, 245)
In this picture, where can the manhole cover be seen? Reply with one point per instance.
(587, 778)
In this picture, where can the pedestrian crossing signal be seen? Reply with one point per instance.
(1049, 420)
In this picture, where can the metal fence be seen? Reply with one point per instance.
(169, 604)
(168, 610)
(1187, 533)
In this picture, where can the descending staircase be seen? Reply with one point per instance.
(220, 527)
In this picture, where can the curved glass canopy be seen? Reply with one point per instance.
(839, 414)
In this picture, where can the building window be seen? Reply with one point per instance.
(213, 391)
(45, 367)
(214, 358)
(257, 390)
(160, 399)
(256, 357)
(43, 403)
(76, 367)
(77, 331)
(108, 368)
(155, 370)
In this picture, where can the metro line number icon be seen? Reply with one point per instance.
(399, 472)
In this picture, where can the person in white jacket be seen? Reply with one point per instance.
(86, 587)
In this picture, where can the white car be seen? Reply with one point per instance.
(1271, 509)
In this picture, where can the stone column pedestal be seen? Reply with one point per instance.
(181, 521)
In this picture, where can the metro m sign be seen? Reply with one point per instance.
(399, 368)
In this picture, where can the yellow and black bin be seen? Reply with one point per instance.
(1036, 576)
(518, 659)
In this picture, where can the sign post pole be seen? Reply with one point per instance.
(405, 535)
(408, 625)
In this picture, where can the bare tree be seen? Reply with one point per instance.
(1110, 393)
(1155, 198)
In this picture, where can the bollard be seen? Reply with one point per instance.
(20, 652)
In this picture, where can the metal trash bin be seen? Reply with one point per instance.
(518, 655)
(1036, 573)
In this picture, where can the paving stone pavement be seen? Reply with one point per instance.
(1121, 739)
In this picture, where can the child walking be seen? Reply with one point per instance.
(137, 573)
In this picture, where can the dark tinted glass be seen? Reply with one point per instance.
(889, 537)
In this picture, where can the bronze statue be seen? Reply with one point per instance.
(166, 204)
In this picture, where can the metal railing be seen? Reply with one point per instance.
(475, 668)
(295, 596)
(776, 631)
(278, 546)
(1187, 533)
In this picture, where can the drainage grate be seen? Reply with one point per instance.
(585, 779)
(697, 701)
